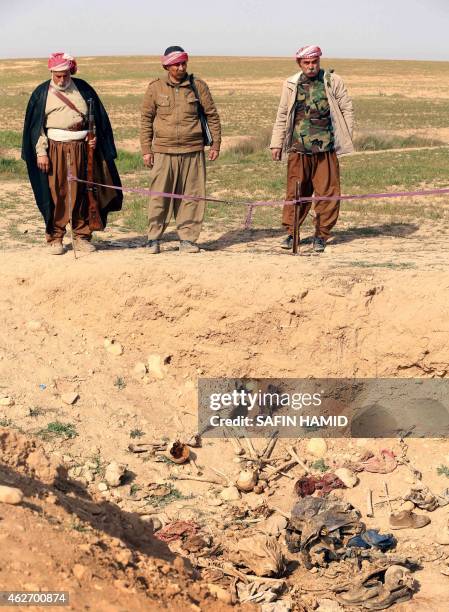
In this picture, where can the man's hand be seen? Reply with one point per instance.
(43, 163)
(213, 154)
(92, 142)
(276, 154)
(148, 160)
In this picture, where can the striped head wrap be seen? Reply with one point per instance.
(308, 52)
(174, 55)
(58, 62)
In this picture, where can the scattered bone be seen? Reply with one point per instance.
(10, 495)
(230, 494)
(369, 504)
(113, 347)
(178, 452)
(69, 398)
(156, 366)
(247, 480)
(317, 447)
(6, 401)
(114, 474)
(348, 478)
(140, 369)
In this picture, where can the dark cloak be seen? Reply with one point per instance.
(105, 149)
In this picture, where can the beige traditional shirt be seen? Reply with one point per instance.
(58, 116)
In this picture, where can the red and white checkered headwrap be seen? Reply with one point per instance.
(59, 62)
(308, 52)
(175, 57)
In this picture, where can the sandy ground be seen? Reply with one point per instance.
(369, 307)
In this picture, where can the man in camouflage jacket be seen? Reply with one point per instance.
(314, 124)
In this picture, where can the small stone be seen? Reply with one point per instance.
(215, 501)
(69, 398)
(220, 593)
(79, 571)
(408, 506)
(113, 347)
(34, 325)
(51, 498)
(157, 523)
(102, 486)
(348, 478)
(6, 401)
(124, 557)
(230, 494)
(155, 366)
(274, 525)
(88, 476)
(10, 495)
(317, 447)
(114, 474)
(172, 589)
(140, 369)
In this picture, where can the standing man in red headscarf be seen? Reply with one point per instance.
(172, 140)
(314, 124)
(54, 141)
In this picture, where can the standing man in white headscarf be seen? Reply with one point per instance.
(314, 124)
(55, 140)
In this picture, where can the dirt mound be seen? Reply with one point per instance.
(57, 540)
(232, 313)
(28, 458)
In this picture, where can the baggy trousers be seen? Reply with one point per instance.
(319, 175)
(58, 153)
(183, 173)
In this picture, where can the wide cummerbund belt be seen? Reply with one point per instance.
(65, 135)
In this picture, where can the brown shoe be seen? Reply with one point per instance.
(84, 245)
(55, 248)
(185, 246)
(408, 520)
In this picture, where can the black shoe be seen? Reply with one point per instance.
(287, 243)
(319, 244)
(153, 247)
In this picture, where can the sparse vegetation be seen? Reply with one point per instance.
(120, 383)
(136, 433)
(162, 501)
(443, 470)
(56, 428)
(320, 465)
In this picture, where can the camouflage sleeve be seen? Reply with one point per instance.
(344, 101)
(148, 113)
(211, 112)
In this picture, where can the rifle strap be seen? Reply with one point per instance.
(66, 101)
(195, 91)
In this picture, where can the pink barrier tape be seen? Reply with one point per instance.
(251, 205)
(142, 191)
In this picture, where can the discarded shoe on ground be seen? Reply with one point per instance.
(408, 520)
(424, 499)
(371, 538)
(379, 589)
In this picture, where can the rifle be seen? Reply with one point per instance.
(207, 136)
(95, 222)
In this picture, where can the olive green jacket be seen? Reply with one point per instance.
(169, 118)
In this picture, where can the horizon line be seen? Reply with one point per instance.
(267, 57)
